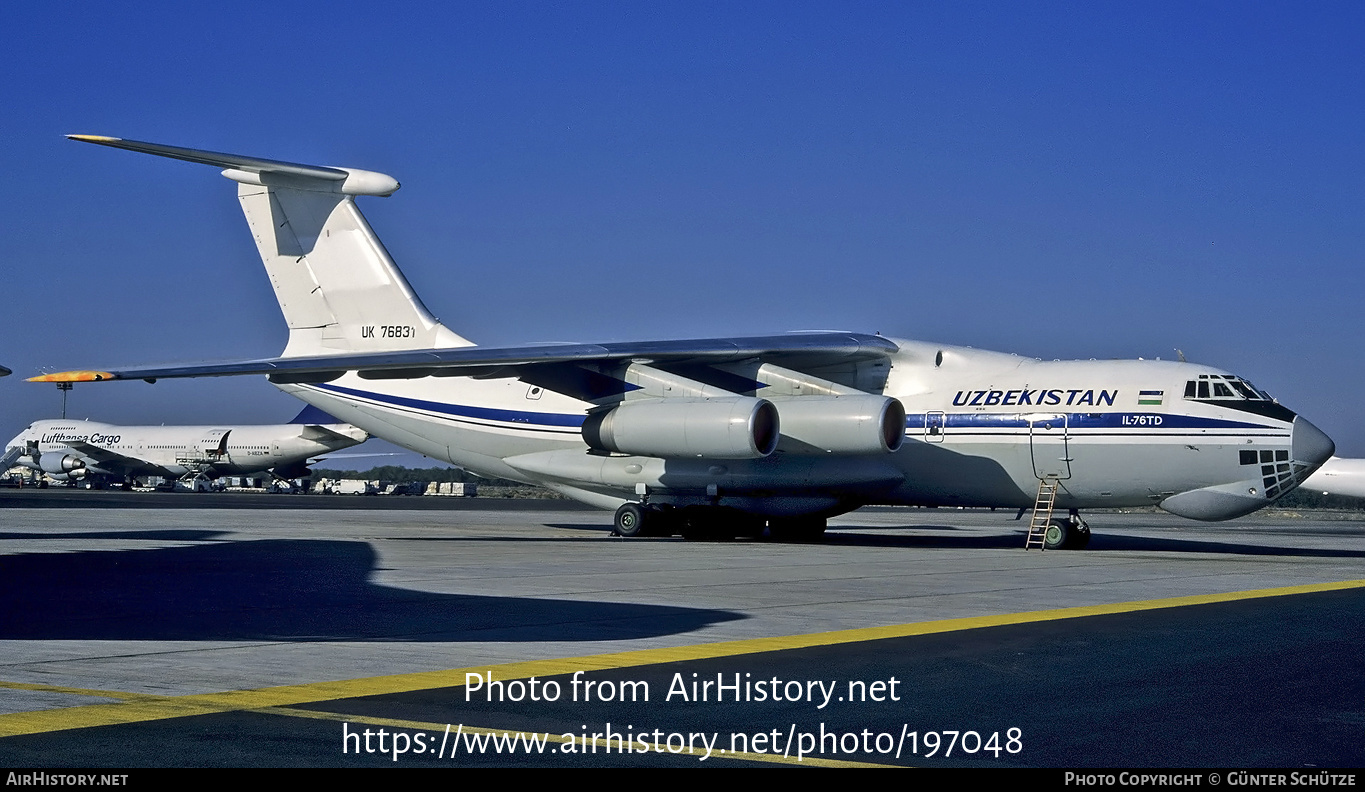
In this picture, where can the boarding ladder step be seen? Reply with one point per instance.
(1042, 513)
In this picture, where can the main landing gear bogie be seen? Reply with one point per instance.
(639, 519)
(703, 523)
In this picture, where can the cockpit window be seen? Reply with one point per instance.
(1223, 386)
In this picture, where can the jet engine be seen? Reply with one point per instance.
(852, 424)
(66, 463)
(721, 428)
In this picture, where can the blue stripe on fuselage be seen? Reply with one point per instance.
(465, 411)
(1114, 420)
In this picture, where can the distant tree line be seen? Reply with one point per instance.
(1303, 498)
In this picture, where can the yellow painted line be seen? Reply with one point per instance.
(654, 749)
(150, 708)
(113, 694)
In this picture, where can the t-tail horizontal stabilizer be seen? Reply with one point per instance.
(255, 170)
(336, 285)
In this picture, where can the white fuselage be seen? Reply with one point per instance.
(982, 429)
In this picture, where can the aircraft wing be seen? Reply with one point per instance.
(103, 456)
(321, 434)
(792, 349)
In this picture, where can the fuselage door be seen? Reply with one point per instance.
(1050, 444)
(933, 427)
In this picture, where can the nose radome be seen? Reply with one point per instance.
(1309, 445)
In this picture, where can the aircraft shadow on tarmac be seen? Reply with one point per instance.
(287, 590)
(1099, 543)
(185, 535)
(946, 537)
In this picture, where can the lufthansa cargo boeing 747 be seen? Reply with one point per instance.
(91, 451)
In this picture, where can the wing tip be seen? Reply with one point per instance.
(94, 138)
(74, 376)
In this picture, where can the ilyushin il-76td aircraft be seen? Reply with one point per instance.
(93, 451)
(735, 435)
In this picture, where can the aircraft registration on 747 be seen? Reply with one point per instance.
(726, 435)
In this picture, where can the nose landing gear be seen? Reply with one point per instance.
(1067, 533)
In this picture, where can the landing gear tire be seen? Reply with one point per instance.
(1063, 534)
(662, 521)
(1058, 534)
(748, 526)
(1080, 537)
(797, 529)
(710, 523)
(703, 524)
(630, 520)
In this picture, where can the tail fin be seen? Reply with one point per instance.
(337, 286)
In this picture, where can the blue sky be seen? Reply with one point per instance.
(1106, 180)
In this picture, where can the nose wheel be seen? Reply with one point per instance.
(1067, 533)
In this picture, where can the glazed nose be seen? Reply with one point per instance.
(1309, 445)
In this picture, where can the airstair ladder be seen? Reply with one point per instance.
(1042, 513)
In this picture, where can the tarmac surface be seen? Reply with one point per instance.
(180, 630)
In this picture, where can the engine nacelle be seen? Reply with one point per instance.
(724, 428)
(65, 463)
(852, 424)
